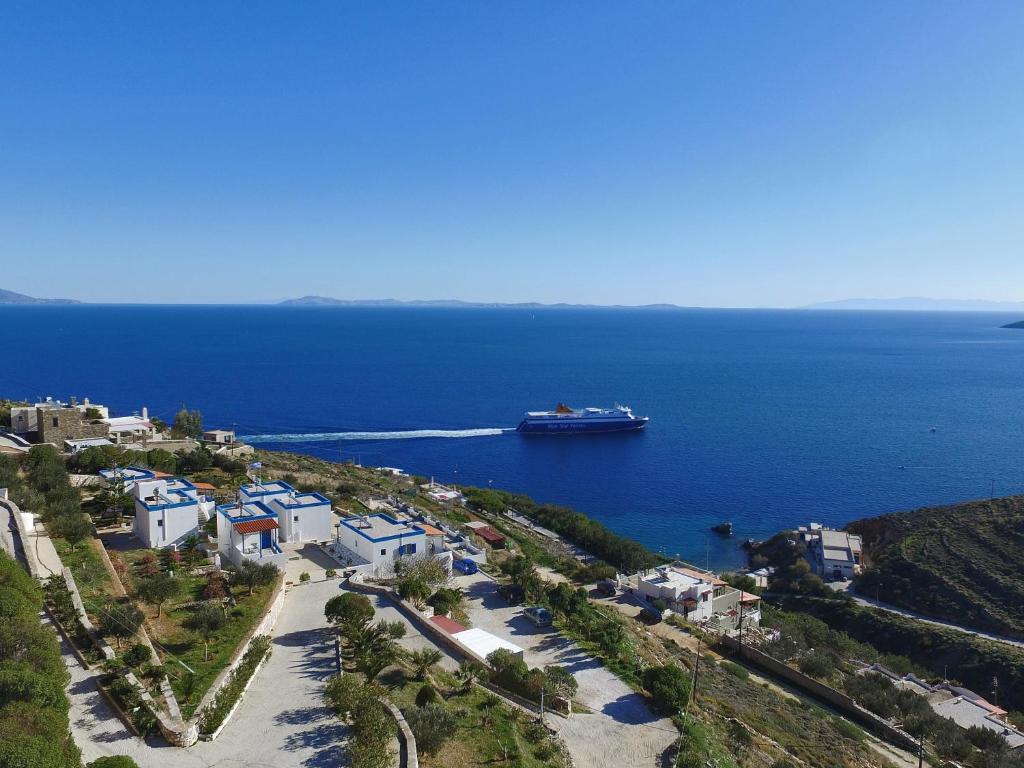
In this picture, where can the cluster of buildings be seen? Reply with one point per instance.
(961, 705)
(75, 426)
(697, 596)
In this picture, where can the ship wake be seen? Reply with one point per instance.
(410, 434)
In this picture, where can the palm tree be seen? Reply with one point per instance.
(422, 660)
(470, 672)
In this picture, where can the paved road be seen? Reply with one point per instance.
(281, 722)
(621, 732)
(889, 608)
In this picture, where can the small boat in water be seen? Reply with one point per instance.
(723, 529)
(565, 420)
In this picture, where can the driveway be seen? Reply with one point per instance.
(621, 732)
(281, 722)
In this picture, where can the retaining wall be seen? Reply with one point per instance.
(819, 690)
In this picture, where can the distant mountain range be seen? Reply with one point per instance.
(326, 301)
(919, 303)
(10, 297)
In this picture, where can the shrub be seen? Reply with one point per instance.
(213, 715)
(113, 761)
(735, 670)
(427, 695)
(330, 573)
(669, 687)
(136, 655)
(431, 725)
(304, 576)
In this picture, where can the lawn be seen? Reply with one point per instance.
(93, 580)
(190, 674)
(483, 733)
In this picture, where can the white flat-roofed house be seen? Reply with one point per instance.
(127, 475)
(264, 491)
(167, 511)
(77, 446)
(379, 540)
(303, 516)
(131, 429)
(249, 531)
(15, 444)
(833, 555)
(699, 596)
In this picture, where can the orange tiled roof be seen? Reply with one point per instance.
(255, 526)
(205, 486)
(430, 530)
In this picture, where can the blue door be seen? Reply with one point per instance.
(265, 539)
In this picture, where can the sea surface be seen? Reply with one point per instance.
(768, 419)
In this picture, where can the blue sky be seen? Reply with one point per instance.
(716, 154)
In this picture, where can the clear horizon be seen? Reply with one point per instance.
(693, 155)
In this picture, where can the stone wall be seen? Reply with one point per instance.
(59, 424)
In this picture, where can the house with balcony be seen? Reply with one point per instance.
(249, 531)
(698, 596)
(168, 510)
(128, 476)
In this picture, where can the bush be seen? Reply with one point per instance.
(304, 577)
(113, 761)
(431, 725)
(136, 655)
(426, 695)
(735, 670)
(213, 715)
(330, 573)
(669, 687)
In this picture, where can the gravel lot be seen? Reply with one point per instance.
(621, 732)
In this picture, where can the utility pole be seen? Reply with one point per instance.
(696, 669)
(920, 749)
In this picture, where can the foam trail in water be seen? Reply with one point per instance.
(412, 434)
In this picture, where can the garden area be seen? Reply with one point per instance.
(196, 617)
(454, 720)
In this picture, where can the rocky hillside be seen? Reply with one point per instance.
(961, 563)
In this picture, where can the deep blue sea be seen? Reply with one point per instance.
(766, 418)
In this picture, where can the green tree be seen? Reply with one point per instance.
(121, 621)
(669, 687)
(423, 659)
(187, 423)
(252, 574)
(349, 612)
(157, 590)
(374, 649)
(559, 681)
(413, 589)
(73, 528)
(115, 500)
(194, 461)
(205, 620)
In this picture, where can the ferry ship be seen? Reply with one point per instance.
(566, 420)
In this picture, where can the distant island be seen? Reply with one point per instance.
(327, 301)
(922, 304)
(1018, 324)
(10, 297)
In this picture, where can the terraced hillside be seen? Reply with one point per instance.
(962, 563)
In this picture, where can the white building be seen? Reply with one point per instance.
(699, 597)
(131, 429)
(77, 446)
(833, 555)
(168, 511)
(219, 436)
(300, 516)
(11, 443)
(249, 531)
(378, 541)
(127, 475)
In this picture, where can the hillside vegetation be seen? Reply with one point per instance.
(960, 563)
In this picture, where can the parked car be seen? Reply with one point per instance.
(607, 588)
(467, 567)
(650, 615)
(539, 615)
(513, 593)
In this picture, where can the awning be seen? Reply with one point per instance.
(256, 526)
